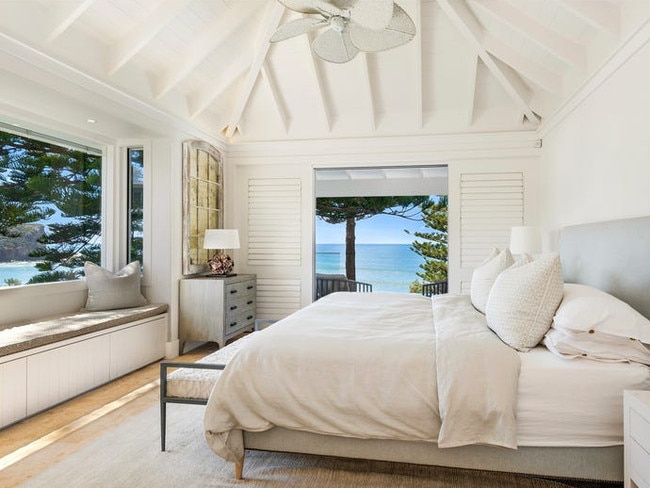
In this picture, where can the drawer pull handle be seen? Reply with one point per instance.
(234, 307)
(250, 302)
(249, 317)
(232, 292)
(250, 287)
(232, 324)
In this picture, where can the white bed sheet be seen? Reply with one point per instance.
(573, 402)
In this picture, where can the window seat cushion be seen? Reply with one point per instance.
(21, 337)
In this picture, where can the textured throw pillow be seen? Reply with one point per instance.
(596, 345)
(107, 290)
(523, 300)
(484, 275)
(584, 309)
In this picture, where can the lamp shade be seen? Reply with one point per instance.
(525, 239)
(221, 239)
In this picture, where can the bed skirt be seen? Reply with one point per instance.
(593, 463)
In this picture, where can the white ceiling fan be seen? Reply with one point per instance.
(352, 26)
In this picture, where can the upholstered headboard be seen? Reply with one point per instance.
(613, 256)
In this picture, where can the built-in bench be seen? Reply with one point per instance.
(46, 362)
(191, 383)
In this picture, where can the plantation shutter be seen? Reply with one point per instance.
(485, 203)
(274, 243)
(490, 205)
(274, 222)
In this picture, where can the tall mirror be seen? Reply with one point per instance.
(202, 202)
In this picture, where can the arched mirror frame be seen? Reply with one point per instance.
(202, 202)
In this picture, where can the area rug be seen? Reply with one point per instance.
(123, 450)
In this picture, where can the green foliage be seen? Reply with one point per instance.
(39, 180)
(352, 209)
(432, 245)
(12, 282)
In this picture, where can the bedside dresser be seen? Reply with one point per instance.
(637, 439)
(216, 309)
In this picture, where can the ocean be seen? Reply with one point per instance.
(387, 267)
(21, 271)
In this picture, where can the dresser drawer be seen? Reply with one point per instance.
(237, 290)
(640, 429)
(237, 305)
(639, 460)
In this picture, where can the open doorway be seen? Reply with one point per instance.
(385, 253)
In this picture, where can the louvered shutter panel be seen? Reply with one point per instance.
(277, 298)
(274, 241)
(274, 222)
(490, 204)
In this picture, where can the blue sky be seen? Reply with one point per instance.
(380, 229)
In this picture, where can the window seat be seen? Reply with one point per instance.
(48, 361)
(21, 337)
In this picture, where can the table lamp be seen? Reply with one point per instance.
(525, 239)
(221, 239)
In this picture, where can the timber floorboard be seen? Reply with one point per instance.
(33, 428)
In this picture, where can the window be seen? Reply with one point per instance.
(135, 204)
(50, 208)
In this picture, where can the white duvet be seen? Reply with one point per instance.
(335, 374)
(364, 365)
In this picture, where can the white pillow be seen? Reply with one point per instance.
(523, 300)
(108, 291)
(585, 308)
(484, 275)
(596, 345)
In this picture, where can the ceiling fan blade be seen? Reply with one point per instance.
(302, 6)
(296, 28)
(400, 30)
(324, 7)
(334, 46)
(372, 14)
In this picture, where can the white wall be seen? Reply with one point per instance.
(595, 162)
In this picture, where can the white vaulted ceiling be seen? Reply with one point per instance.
(474, 65)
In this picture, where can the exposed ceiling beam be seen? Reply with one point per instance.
(419, 82)
(470, 98)
(320, 84)
(547, 80)
(601, 15)
(66, 16)
(203, 45)
(199, 102)
(553, 43)
(269, 25)
(140, 35)
(369, 89)
(464, 20)
(277, 98)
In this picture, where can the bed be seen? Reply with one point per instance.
(411, 379)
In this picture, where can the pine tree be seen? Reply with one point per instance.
(352, 209)
(39, 180)
(433, 244)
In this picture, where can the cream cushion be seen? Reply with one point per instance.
(484, 275)
(523, 300)
(108, 291)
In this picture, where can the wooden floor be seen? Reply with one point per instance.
(24, 433)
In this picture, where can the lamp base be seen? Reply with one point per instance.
(221, 264)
